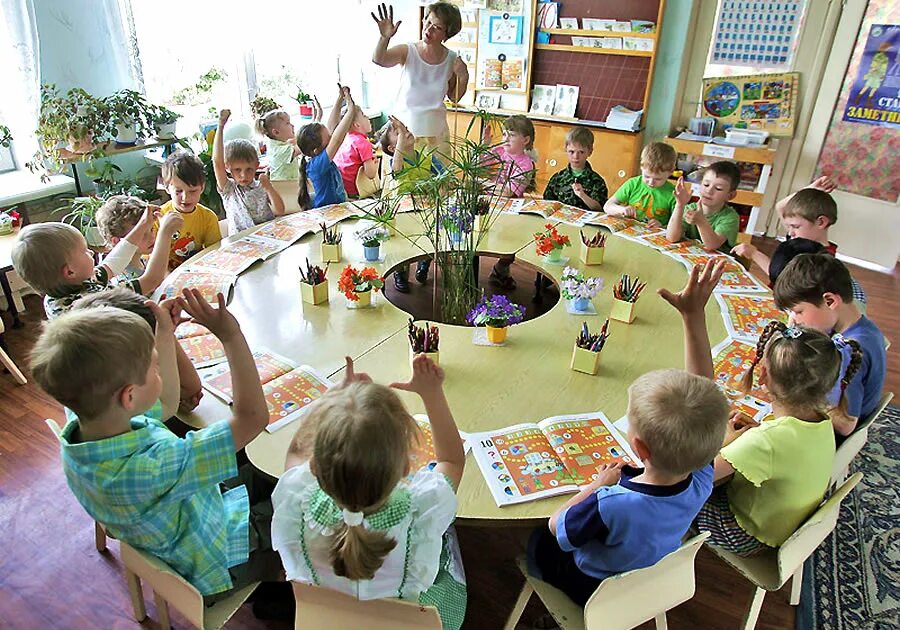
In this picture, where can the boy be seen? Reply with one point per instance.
(356, 159)
(247, 202)
(817, 291)
(710, 220)
(651, 196)
(54, 259)
(158, 492)
(627, 518)
(184, 178)
(793, 247)
(577, 184)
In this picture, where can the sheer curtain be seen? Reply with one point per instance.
(20, 105)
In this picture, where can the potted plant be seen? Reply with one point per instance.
(592, 249)
(163, 120)
(371, 238)
(131, 114)
(104, 177)
(458, 223)
(625, 293)
(305, 101)
(423, 340)
(7, 223)
(579, 289)
(496, 313)
(262, 105)
(358, 285)
(586, 354)
(382, 211)
(80, 213)
(313, 284)
(5, 137)
(331, 243)
(549, 243)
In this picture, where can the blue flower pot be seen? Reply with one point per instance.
(581, 304)
(372, 254)
(455, 237)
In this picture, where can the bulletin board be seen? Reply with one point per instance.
(767, 102)
(504, 38)
(756, 34)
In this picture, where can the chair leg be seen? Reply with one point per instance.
(137, 595)
(661, 623)
(796, 586)
(162, 611)
(9, 365)
(519, 607)
(99, 537)
(752, 615)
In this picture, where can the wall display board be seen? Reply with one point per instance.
(756, 34)
(766, 102)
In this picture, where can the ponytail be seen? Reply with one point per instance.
(303, 199)
(746, 383)
(309, 141)
(856, 357)
(260, 126)
(357, 553)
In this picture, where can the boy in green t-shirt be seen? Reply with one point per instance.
(710, 220)
(649, 197)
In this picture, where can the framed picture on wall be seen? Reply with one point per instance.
(487, 101)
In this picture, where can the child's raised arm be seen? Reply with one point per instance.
(168, 316)
(428, 382)
(218, 156)
(334, 116)
(158, 265)
(340, 132)
(675, 230)
(274, 196)
(406, 145)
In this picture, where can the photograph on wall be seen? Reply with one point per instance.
(756, 34)
(766, 102)
(542, 99)
(506, 29)
(874, 97)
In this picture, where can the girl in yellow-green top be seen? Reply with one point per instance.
(779, 469)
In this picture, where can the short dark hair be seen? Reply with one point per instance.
(449, 15)
(120, 297)
(787, 251)
(810, 204)
(726, 169)
(809, 277)
(185, 166)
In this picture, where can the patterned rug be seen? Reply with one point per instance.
(853, 580)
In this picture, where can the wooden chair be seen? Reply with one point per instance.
(7, 361)
(854, 442)
(621, 601)
(770, 570)
(169, 588)
(319, 607)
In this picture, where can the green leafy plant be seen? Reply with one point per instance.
(80, 212)
(128, 107)
(5, 137)
(199, 92)
(263, 105)
(302, 97)
(210, 196)
(104, 175)
(160, 115)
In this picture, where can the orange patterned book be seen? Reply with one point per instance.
(208, 282)
(731, 359)
(747, 315)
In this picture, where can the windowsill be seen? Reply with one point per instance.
(22, 185)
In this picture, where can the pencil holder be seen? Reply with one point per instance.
(622, 311)
(434, 356)
(314, 293)
(583, 360)
(592, 255)
(392, 227)
(331, 253)
(482, 222)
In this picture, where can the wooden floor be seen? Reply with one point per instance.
(52, 577)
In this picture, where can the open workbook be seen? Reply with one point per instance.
(423, 455)
(557, 455)
(554, 211)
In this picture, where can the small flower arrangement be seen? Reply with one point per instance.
(550, 240)
(373, 235)
(575, 286)
(495, 311)
(458, 220)
(353, 281)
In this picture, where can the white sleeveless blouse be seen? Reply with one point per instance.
(422, 91)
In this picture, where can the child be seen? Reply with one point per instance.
(777, 472)
(119, 297)
(247, 202)
(816, 289)
(577, 184)
(516, 172)
(281, 145)
(791, 248)
(651, 196)
(184, 177)
(345, 519)
(319, 144)
(356, 159)
(158, 492)
(54, 259)
(710, 220)
(627, 518)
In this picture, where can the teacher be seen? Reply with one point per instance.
(431, 71)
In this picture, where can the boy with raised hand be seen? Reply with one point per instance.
(650, 196)
(630, 518)
(157, 492)
(578, 184)
(817, 291)
(710, 220)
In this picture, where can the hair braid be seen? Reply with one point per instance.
(768, 332)
(856, 358)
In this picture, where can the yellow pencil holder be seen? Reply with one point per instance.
(482, 222)
(365, 299)
(584, 360)
(434, 356)
(314, 293)
(392, 227)
(331, 253)
(592, 255)
(622, 311)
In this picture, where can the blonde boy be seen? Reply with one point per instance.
(649, 197)
(710, 220)
(158, 492)
(184, 178)
(577, 184)
(355, 159)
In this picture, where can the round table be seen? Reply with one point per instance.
(526, 380)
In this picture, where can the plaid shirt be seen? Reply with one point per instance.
(160, 493)
(559, 188)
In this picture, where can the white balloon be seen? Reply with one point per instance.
(237, 129)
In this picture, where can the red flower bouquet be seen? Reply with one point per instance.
(353, 281)
(549, 240)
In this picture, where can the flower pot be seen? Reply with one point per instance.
(622, 311)
(365, 299)
(372, 254)
(6, 224)
(496, 335)
(554, 256)
(306, 110)
(592, 255)
(581, 303)
(584, 360)
(314, 293)
(165, 131)
(482, 222)
(456, 238)
(82, 145)
(434, 356)
(331, 253)
(126, 134)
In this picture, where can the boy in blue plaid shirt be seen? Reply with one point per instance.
(150, 488)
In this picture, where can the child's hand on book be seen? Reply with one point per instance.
(738, 424)
(427, 378)
(352, 376)
(219, 321)
(744, 250)
(654, 224)
(692, 299)
(607, 475)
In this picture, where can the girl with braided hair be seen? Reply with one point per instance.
(777, 471)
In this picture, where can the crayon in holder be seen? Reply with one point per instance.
(592, 255)
(434, 356)
(314, 293)
(583, 360)
(622, 311)
(331, 253)
(482, 222)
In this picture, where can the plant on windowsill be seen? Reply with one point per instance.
(5, 137)
(131, 114)
(163, 120)
(262, 105)
(80, 213)
(305, 102)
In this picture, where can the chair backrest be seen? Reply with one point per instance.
(810, 535)
(165, 582)
(223, 228)
(319, 607)
(854, 442)
(629, 599)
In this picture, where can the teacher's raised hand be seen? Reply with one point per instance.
(385, 21)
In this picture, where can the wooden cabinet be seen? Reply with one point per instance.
(462, 126)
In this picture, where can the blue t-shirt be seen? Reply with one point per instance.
(326, 179)
(864, 391)
(631, 525)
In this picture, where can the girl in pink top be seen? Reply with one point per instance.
(515, 156)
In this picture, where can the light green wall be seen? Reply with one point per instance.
(669, 60)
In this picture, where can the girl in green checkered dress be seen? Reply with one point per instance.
(349, 513)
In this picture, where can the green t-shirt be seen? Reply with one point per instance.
(725, 222)
(783, 468)
(651, 203)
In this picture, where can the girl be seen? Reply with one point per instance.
(320, 143)
(516, 155)
(346, 519)
(779, 469)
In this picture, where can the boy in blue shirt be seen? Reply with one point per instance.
(627, 518)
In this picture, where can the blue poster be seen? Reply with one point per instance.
(874, 97)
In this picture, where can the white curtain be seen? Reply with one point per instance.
(20, 105)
